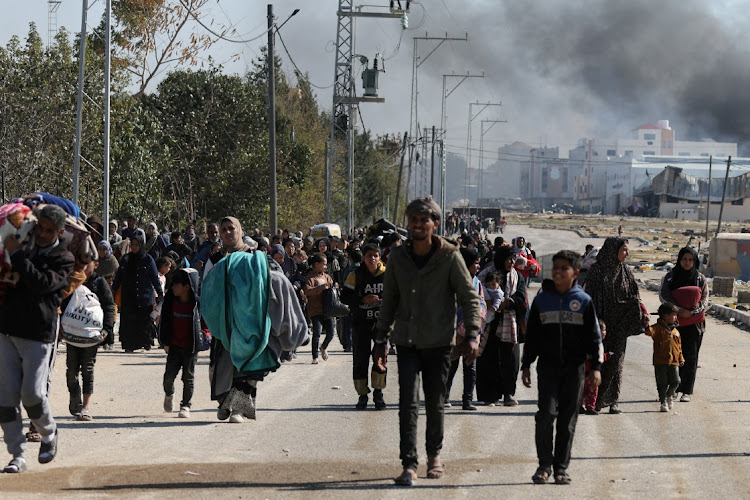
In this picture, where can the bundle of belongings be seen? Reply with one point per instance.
(383, 227)
(18, 218)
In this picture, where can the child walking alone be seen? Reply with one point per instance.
(180, 335)
(667, 353)
(562, 332)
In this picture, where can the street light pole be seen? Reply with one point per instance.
(272, 115)
(271, 120)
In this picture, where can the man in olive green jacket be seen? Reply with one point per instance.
(426, 278)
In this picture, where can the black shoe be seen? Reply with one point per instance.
(592, 412)
(615, 410)
(377, 398)
(468, 406)
(581, 410)
(362, 403)
(47, 451)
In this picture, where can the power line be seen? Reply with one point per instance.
(219, 35)
(299, 72)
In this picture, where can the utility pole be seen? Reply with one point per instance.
(723, 195)
(432, 165)
(327, 181)
(107, 83)
(271, 120)
(480, 175)
(443, 119)
(400, 175)
(414, 108)
(468, 141)
(79, 104)
(708, 198)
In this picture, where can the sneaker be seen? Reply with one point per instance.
(315, 361)
(324, 354)
(615, 410)
(223, 413)
(108, 347)
(663, 407)
(236, 418)
(670, 403)
(447, 404)
(184, 412)
(377, 398)
(510, 400)
(685, 398)
(47, 451)
(362, 403)
(17, 465)
(168, 407)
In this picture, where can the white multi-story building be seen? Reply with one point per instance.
(659, 140)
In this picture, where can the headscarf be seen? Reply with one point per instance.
(276, 248)
(614, 291)
(239, 245)
(501, 255)
(680, 277)
(106, 246)
(470, 255)
(140, 237)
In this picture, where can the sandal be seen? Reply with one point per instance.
(406, 478)
(84, 416)
(562, 478)
(541, 475)
(33, 437)
(435, 468)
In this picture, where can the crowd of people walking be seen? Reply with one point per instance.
(438, 304)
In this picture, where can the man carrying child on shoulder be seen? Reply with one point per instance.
(562, 332)
(180, 334)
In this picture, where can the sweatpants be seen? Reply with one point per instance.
(362, 351)
(559, 396)
(24, 372)
(433, 365)
(667, 381)
(80, 359)
(178, 359)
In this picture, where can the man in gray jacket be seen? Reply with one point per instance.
(424, 281)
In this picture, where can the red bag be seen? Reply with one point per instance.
(688, 298)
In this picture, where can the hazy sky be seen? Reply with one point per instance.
(562, 69)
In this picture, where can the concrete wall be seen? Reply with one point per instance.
(690, 211)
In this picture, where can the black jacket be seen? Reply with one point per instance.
(165, 323)
(30, 309)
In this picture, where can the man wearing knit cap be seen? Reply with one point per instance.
(425, 280)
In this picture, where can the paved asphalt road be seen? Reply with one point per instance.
(309, 441)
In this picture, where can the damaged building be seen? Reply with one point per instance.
(676, 194)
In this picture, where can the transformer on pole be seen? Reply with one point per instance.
(340, 190)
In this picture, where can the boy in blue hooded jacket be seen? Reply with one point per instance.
(563, 332)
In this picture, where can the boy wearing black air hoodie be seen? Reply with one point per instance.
(181, 336)
(562, 332)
